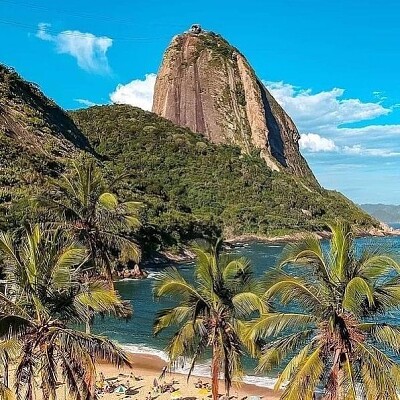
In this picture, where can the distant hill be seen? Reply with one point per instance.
(383, 212)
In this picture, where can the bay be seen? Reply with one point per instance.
(136, 334)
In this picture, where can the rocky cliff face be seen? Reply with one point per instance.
(208, 86)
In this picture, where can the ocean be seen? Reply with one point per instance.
(136, 336)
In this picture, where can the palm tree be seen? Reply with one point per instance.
(210, 314)
(46, 300)
(94, 216)
(329, 326)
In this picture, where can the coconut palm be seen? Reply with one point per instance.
(210, 314)
(330, 328)
(46, 301)
(94, 216)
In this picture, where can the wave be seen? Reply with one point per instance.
(202, 370)
(143, 349)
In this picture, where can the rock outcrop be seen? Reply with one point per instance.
(207, 85)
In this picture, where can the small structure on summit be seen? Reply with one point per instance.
(196, 29)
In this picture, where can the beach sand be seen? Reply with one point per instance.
(149, 367)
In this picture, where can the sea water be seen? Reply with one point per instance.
(136, 335)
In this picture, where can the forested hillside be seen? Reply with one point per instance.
(193, 187)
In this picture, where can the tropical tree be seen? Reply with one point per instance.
(330, 327)
(94, 216)
(45, 302)
(210, 314)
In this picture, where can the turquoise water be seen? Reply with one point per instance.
(136, 334)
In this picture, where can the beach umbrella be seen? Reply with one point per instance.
(120, 389)
(176, 395)
(254, 398)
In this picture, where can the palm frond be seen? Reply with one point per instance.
(356, 292)
(308, 253)
(109, 201)
(170, 282)
(306, 378)
(273, 324)
(172, 316)
(275, 351)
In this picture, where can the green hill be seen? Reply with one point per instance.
(194, 187)
(37, 138)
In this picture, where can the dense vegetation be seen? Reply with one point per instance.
(36, 139)
(192, 187)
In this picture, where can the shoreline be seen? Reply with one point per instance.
(164, 258)
(385, 231)
(187, 255)
(149, 367)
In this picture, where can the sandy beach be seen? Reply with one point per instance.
(146, 368)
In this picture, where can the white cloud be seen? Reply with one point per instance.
(358, 149)
(315, 143)
(323, 110)
(372, 131)
(89, 50)
(137, 93)
(86, 102)
(324, 114)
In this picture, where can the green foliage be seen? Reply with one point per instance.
(194, 188)
(219, 46)
(36, 140)
(211, 313)
(45, 297)
(335, 338)
(191, 188)
(81, 203)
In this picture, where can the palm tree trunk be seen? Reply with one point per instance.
(215, 363)
(6, 369)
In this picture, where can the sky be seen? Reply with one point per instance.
(334, 67)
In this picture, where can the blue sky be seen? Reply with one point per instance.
(332, 65)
